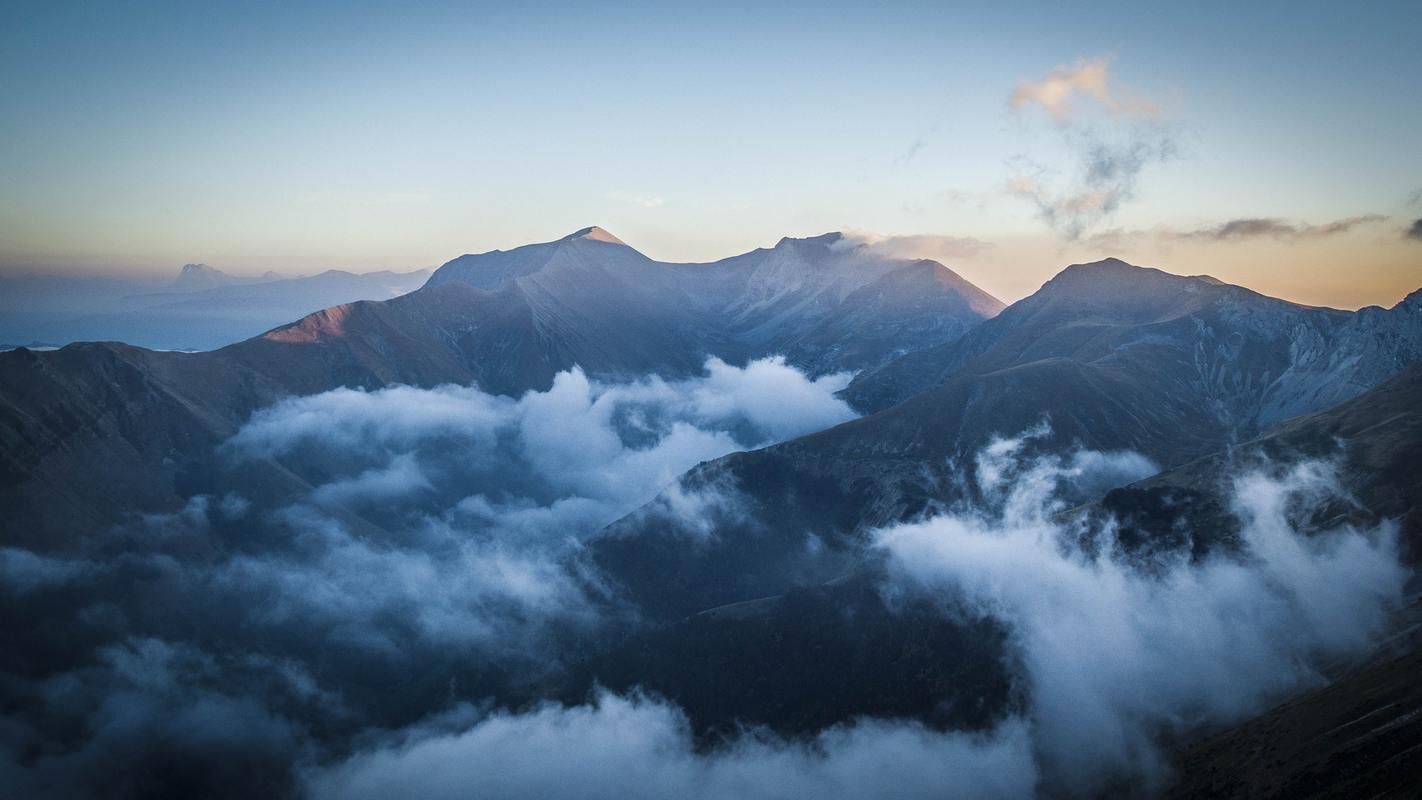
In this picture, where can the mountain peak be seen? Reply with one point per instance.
(200, 276)
(596, 234)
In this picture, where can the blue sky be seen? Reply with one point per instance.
(304, 136)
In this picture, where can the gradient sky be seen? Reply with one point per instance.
(1271, 145)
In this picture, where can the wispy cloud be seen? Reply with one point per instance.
(933, 246)
(1060, 91)
(1274, 228)
(1108, 154)
(1108, 173)
(1241, 229)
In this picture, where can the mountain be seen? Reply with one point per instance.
(1243, 360)
(1110, 356)
(824, 304)
(142, 424)
(779, 620)
(196, 277)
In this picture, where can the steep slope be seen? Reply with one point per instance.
(1172, 368)
(1245, 359)
(775, 616)
(1356, 737)
(825, 305)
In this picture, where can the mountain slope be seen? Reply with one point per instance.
(752, 625)
(141, 424)
(1245, 359)
(1171, 368)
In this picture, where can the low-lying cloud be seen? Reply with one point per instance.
(945, 249)
(1115, 656)
(379, 629)
(361, 561)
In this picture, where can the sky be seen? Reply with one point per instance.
(1272, 145)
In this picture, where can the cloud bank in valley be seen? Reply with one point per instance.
(1116, 655)
(365, 560)
(635, 747)
(944, 249)
(379, 619)
(1113, 655)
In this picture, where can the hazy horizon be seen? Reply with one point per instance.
(1266, 147)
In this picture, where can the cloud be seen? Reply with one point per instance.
(1243, 229)
(635, 747)
(645, 201)
(406, 637)
(1262, 227)
(1108, 169)
(478, 501)
(1108, 153)
(1415, 232)
(1059, 91)
(931, 246)
(359, 561)
(1115, 656)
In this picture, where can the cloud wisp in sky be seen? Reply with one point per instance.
(1109, 149)
(1061, 91)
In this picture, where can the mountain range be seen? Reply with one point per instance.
(1111, 356)
(506, 321)
(761, 604)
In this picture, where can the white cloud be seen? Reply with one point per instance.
(633, 747)
(477, 501)
(944, 249)
(1109, 154)
(1115, 656)
(1059, 91)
